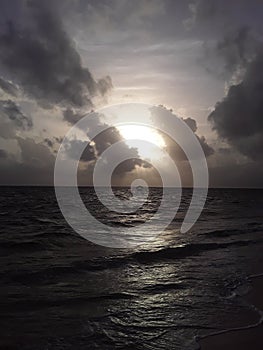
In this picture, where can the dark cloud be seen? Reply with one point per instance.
(53, 142)
(104, 85)
(237, 49)
(72, 148)
(49, 142)
(130, 164)
(34, 153)
(202, 11)
(35, 167)
(238, 118)
(104, 139)
(208, 150)
(71, 116)
(219, 16)
(132, 161)
(224, 150)
(108, 137)
(3, 153)
(8, 87)
(40, 56)
(191, 123)
(229, 56)
(58, 139)
(237, 175)
(40, 61)
(7, 130)
(161, 115)
(13, 112)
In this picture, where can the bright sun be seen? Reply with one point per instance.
(145, 133)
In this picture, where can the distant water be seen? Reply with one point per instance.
(58, 291)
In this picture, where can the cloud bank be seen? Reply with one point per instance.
(238, 118)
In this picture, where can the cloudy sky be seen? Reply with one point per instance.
(202, 59)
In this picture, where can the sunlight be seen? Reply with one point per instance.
(145, 133)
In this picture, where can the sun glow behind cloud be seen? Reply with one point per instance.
(144, 133)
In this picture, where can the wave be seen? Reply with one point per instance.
(121, 224)
(230, 232)
(23, 246)
(184, 250)
(148, 257)
(163, 287)
(49, 221)
(21, 305)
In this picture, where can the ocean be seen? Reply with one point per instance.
(60, 291)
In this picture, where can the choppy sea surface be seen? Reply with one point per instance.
(59, 291)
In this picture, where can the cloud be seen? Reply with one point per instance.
(36, 163)
(49, 142)
(8, 87)
(161, 115)
(208, 150)
(42, 63)
(72, 148)
(104, 16)
(43, 66)
(39, 55)
(104, 139)
(201, 10)
(34, 153)
(7, 130)
(238, 117)
(191, 123)
(233, 175)
(3, 153)
(237, 49)
(108, 137)
(35, 166)
(71, 116)
(217, 16)
(13, 112)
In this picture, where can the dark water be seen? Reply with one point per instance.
(58, 291)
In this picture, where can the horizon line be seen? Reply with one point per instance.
(127, 186)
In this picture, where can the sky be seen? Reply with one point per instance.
(201, 60)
